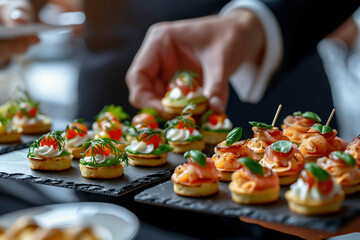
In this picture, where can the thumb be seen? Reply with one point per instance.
(216, 88)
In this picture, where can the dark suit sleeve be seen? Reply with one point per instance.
(305, 22)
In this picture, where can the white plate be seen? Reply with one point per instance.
(26, 30)
(109, 221)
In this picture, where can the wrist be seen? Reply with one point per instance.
(252, 33)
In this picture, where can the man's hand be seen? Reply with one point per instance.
(13, 12)
(213, 46)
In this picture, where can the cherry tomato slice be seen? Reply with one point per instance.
(33, 111)
(49, 141)
(325, 187)
(145, 119)
(74, 129)
(155, 140)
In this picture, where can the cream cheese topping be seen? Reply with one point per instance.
(99, 158)
(46, 151)
(141, 147)
(225, 125)
(301, 190)
(176, 93)
(178, 135)
(78, 140)
(28, 121)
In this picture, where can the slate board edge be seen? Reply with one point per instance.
(93, 188)
(186, 203)
(14, 148)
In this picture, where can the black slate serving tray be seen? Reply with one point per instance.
(16, 166)
(25, 142)
(278, 212)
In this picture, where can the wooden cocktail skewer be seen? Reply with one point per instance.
(330, 117)
(276, 115)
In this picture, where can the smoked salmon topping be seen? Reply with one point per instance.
(296, 127)
(250, 182)
(191, 172)
(265, 137)
(343, 173)
(239, 149)
(284, 164)
(354, 149)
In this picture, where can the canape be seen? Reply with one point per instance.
(28, 117)
(147, 149)
(146, 118)
(76, 134)
(315, 192)
(215, 127)
(253, 183)
(103, 160)
(8, 133)
(109, 112)
(196, 178)
(111, 128)
(342, 166)
(49, 153)
(182, 135)
(285, 159)
(183, 90)
(354, 150)
(227, 154)
(264, 136)
(320, 141)
(296, 126)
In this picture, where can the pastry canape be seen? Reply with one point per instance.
(253, 183)
(342, 166)
(183, 90)
(264, 136)
(196, 178)
(214, 127)
(111, 128)
(285, 159)
(315, 192)
(103, 160)
(147, 149)
(296, 127)
(227, 154)
(147, 118)
(8, 133)
(319, 142)
(182, 135)
(76, 134)
(109, 112)
(28, 117)
(354, 149)
(49, 153)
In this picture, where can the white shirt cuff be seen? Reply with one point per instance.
(249, 80)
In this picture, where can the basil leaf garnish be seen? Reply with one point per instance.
(347, 158)
(322, 129)
(317, 171)
(282, 146)
(308, 115)
(252, 165)
(261, 125)
(205, 116)
(197, 156)
(233, 136)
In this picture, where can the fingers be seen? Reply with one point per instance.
(8, 48)
(16, 12)
(216, 87)
(152, 68)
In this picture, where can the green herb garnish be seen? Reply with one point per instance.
(233, 136)
(308, 115)
(197, 156)
(322, 129)
(317, 171)
(97, 146)
(347, 158)
(116, 110)
(57, 136)
(205, 116)
(147, 134)
(261, 125)
(252, 165)
(281, 146)
(4, 120)
(187, 76)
